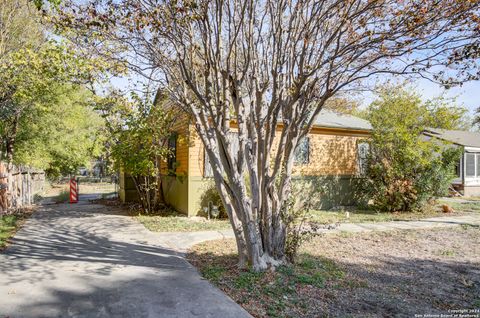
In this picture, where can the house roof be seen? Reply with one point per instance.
(330, 119)
(459, 137)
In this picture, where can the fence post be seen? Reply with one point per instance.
(18, 186)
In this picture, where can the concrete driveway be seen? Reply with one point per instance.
(89, 260)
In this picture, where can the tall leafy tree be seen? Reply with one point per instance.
(270, 66)
(62, 136)
(29, 82)
(19, 26)
(405, 170)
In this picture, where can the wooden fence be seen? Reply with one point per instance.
(18, 186)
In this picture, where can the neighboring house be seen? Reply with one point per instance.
(468, 169)
(327, 163)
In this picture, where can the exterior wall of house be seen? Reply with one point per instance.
(471, 191)
(471, 183)
(197, 183)
(127, 191)
(326, 192)
(175, 187)
(333, 152)
(327, 180)
(330, 176)
(175, 190)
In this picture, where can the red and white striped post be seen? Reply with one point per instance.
(73, 191)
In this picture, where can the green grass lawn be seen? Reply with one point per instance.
(180, 223)
(472, 206)
(360, 216)
(8, 225)
(176, 223)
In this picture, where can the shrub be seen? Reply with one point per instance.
(63, 196)
(404, 169)
(211, 195)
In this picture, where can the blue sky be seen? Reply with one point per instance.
(467, 96)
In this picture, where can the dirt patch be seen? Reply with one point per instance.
(381, 274)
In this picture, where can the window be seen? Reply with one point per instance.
(302, 153)
(172, 158)
(478, 164)
(458, 168)
(363, 148)
(470, 165)
(207, 167)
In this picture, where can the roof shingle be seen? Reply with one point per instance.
(459, 137)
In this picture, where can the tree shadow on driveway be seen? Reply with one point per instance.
(93, 240)
(87, 262)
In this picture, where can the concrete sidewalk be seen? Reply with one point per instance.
(438, 222)
(90, 261)
(181, 241)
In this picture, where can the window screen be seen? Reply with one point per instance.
(172, 158)
(363, 149)
(301, 156)
(470, 165)
(458, 169)
(478, 164)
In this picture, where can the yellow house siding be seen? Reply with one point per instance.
(182, 155)
(182, 130)
(332, 152)
(175, 188)
(196, 155)
(330, 155)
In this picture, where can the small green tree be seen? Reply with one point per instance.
(405, 170)
(139, 131)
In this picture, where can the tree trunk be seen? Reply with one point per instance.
(11, 139)
(140, 193)
(263, 248)
(159, 199)
(243, 257)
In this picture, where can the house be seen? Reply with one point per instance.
(327, 163)
(468, 168)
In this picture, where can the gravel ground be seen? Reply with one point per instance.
(405, 272)
(386, 274)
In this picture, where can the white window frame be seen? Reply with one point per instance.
(472, 180)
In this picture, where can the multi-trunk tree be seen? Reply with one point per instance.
(264, 69)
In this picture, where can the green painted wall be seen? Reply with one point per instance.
(198, 197)
(176, 193)
(127, 191)
(326, 192)
(322, 192)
